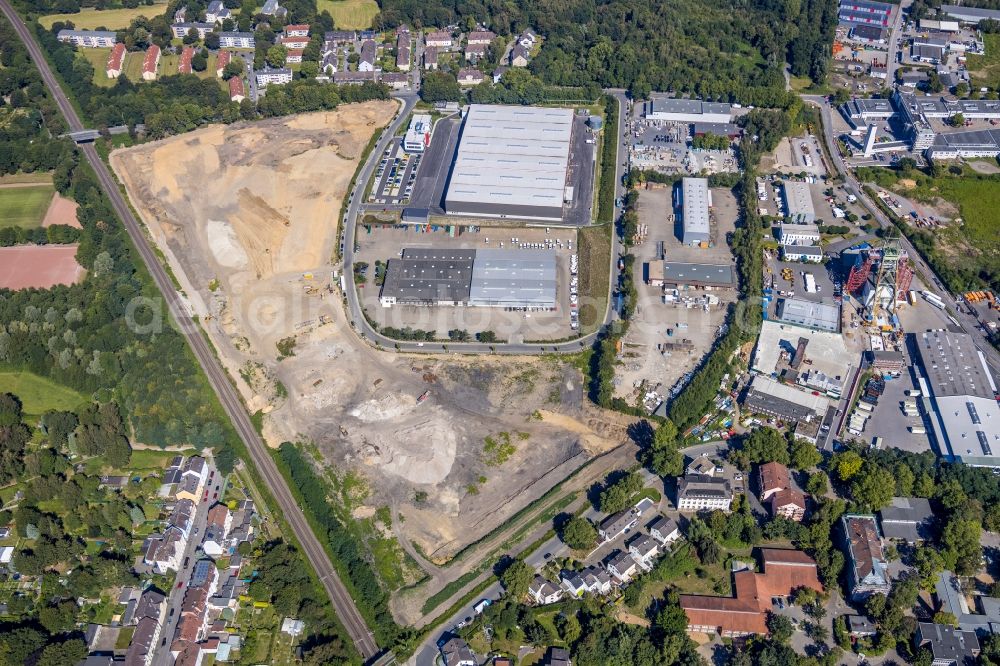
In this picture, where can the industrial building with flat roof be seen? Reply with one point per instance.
(819, 316)
(695, 200)
(428, 277)
(798, 202)
(687, 110)
(514, 278)
(965, 415)
(418, 134)
(698, 275)
(770, 397)
(475, 278)
(970, 14)
(512, 162)
(865, 12)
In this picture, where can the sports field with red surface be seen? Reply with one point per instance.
(40, 266)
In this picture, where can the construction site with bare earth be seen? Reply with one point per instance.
(456, 447)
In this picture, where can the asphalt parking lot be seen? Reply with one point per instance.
(394, 175)
(823, 276)
(891, 424)
(429, 187)
(386, 242)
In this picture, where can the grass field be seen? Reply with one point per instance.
(349, 14)
(37, 178)
(38, 394)
(112, 19)
(99, 59)
(594, 249)
(985, 69)
(978, 199)
(24, 206)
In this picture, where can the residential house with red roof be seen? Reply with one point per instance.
(150, 63)
(184, 64)
(223, 59)
(116, 60)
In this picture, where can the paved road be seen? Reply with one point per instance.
(967, 322)
(895, 35)
(357, 319)
(175, 596)
(348, 613)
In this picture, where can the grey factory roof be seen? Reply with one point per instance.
(695, 201)
(769, 396)
(693, 107)
(869, 32)
(970, 14)
(799, 200)
(952, 365)
(966, 416)
(927, 51)
(720, 129)
(820, 316)
(521, 278)
(513, 159)
(971, 140)
(430, 276)
(720, 275)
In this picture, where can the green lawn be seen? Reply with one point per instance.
(98, 58)
(112, 19)
(978, 199)
(350, 14)
(24, 206)
(985, 69)
(38, 394)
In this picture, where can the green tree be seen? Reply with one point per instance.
(579, 533)
(847, 464)
(780, 627)
(516, 579)
(962, 550)
(276, 56)
(440, 86)
(817, 484)
(59, 654)
(804, 455)
(234, 67)
(873, 486)
(766, 445)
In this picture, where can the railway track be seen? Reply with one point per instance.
(344, 606)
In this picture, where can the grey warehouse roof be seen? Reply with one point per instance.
(430, 276)
(699, 274)
(686, 106)
(952, 365)
(521, 278)
(810, 315)
(511, 160)
(695, 205)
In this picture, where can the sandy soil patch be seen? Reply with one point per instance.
(62, 211)
(246, 216)
(906, 183)
(39, 266)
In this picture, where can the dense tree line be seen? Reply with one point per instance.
(282, 581)
(59, 234)
(348, 551)
(729, 50)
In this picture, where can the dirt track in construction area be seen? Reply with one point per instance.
(246, 217)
